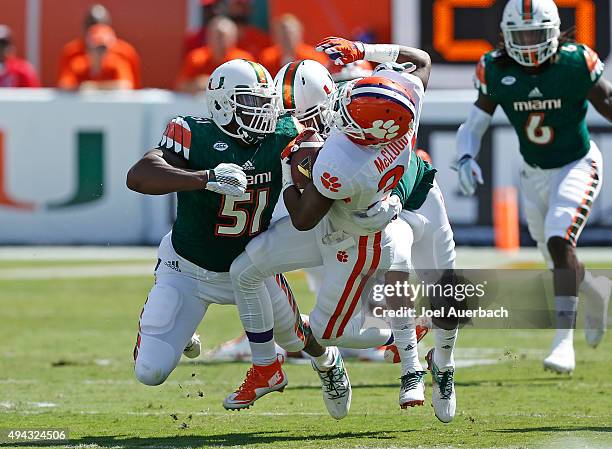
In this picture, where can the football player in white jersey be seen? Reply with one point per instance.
(357, 167)
(304, 87)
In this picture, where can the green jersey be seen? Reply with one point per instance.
(211, 230)
(547, 108)
(415, 184)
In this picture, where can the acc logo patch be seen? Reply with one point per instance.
(220, 146)
(330, 182)
(508, 80)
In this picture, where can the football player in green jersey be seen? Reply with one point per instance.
(227, 175)
(543, 81)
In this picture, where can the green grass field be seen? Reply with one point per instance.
(66, 362)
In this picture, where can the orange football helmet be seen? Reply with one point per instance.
(373, 111)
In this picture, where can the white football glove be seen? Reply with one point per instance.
(469, 175)
(227, 179)
(380, 215)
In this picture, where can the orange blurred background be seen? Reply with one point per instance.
(156, 28)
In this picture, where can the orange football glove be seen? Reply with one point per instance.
(340, 50)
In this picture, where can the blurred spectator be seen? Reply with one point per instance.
(250, 38)
(99, 68)
(222, 35)
(98, 14)
(195, 39)
(290, 46)
(14, 72)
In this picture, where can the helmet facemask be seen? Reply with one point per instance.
(251, 114)
(531, 45)
(316, 117)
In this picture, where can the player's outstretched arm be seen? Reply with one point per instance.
(469, 139)
(343, 51)
(600, 97)
(161, 171)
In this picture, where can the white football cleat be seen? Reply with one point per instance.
(192, 350)
(443, 397)
(336, 386)
(596, 311)
(562, 359)
(412, 390)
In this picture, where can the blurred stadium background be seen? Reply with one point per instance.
(69, 314)
(64, 152)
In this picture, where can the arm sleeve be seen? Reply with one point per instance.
(403, 189)
(177, 137)
(470, 133)
(594, 68)
(328, 179)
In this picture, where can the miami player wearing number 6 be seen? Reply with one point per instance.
(543, 81)
(227, 176)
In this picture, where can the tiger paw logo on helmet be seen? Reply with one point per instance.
(383, 130)
(342, 256)
(330, 182)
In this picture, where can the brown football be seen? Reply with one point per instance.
(302, 160)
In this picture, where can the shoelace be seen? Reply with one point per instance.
(249, 380)
(333, 383)
(411, 380)
(445, 383)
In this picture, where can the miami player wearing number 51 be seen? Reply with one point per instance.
(543, 81)
(227, 176)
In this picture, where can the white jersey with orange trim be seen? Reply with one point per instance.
(360, 176)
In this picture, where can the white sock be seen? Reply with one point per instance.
(264, 354)
(444, 347)
(587, 285)
(404, 333)
(325, 361)
(565, 307)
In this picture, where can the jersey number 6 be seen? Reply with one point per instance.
(242, 218)
(538, 134)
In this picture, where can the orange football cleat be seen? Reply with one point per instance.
(260, 380)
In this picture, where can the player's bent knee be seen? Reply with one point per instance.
(244, 272)
(155, 361)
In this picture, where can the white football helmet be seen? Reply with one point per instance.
(242, 100)
(305, 88)
(531, 30)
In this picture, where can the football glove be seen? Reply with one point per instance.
(340, 50)
(227, 179)
(469, 175)
(380, 215)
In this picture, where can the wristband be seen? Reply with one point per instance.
(210, 176)
(380, 52)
